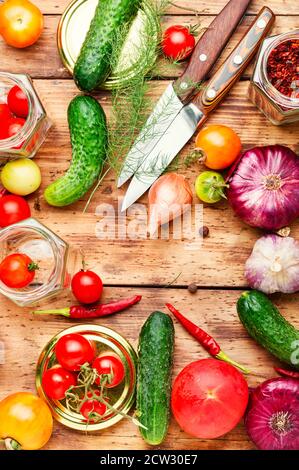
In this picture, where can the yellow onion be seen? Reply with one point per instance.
(169, 197)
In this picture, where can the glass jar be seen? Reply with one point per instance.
(33, 133)
(56, 261)
(277, 107)
(121, 397)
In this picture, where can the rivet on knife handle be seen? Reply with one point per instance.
(234, 66)
(209, 48)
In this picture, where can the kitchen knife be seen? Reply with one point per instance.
(204, 56)
(196, 112)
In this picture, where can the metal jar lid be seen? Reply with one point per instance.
(105, 339)
(138, 54)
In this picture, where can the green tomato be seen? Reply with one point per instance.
(209, 187)
(21, 177)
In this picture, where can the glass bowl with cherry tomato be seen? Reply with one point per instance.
(23, 120)
(87, 376)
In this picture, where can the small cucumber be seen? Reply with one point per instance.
(89, 139)
(268, 327)
(156, 344)
(93, 65)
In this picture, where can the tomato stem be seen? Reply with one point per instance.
(223, 357)
(11, 444)
(32, 267)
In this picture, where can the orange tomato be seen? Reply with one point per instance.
(25, 420)
(220, 146)
(21, 23)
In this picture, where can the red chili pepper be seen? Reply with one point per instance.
(98, 311)
(209, 343)
(287, 373)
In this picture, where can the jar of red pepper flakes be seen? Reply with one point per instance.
(274, 86)
(24, 123)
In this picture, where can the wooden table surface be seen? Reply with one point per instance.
(146, 266)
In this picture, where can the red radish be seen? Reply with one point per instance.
(209, 398)
(272, 418)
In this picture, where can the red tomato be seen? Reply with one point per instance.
(13, 209)
(209, 397)
(73, 351)
(5, 112)
(111, 365)
(14, 125)
(18, 102)
(57, 381)
(90, 409)
(17, 271)
(87, 287)
(178, 42)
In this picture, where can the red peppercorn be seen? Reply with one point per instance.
(283, 68)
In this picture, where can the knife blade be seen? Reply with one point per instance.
(194, 114)
(205, 54)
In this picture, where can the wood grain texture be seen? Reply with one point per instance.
(282, 7)
(213, 310)
(218, 262)
(45, 62)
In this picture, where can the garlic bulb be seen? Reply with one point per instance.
(273, 265)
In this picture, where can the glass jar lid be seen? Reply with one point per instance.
(138, 54)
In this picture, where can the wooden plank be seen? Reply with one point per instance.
(45, 61)
(219, 262)
(24, 336)
(282, 7)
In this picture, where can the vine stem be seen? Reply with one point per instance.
(95, 189)
(179, 7)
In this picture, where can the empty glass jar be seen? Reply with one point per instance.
(33, 133)
(56, 260)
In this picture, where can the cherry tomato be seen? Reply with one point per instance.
(178, 42)
(17, 270)
(18, 102)
(56, 382)
(11, 127)
(209, 398)
(209, 187)
(220, 146)
(21, 176)
(73, 351)
(90, 409)
(87, 287)
(5, 113)
(111, 365)
(13, 209)
(25, 420)
(21, 23)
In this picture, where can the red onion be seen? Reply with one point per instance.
(272, 418)
(264, 187)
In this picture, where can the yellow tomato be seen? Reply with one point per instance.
(25, 420)
(220, 146)
(21, 23)
(21, 177)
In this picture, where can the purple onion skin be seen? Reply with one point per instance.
(264, 187)
(274, 401)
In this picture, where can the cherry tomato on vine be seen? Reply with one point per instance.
(21, 23)
(18, 102)
(56, 382)
(87, 287)
(73, 351)
(178, 42)
(90, 409)
(5, 113)
(17, 270)
(220, 146)
(112, 366)
(13, 209)
(209, 187)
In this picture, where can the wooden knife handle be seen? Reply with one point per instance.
(209, 48)
(232, 69)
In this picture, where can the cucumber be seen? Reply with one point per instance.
(89, 139)
(268, 327)
(93, 65)
(156, 344)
